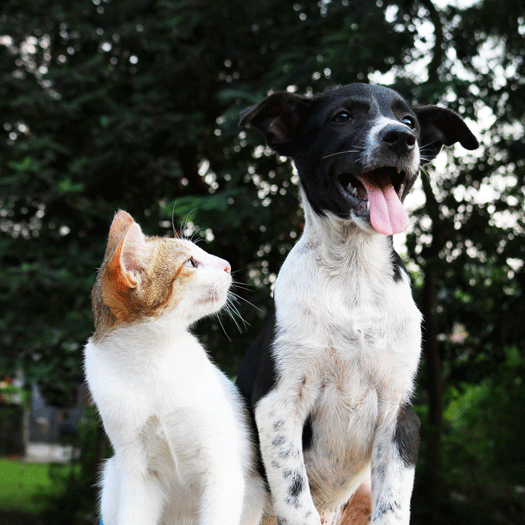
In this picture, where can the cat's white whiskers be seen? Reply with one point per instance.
(242, 286)
(187, 404)
(185, 222)
(219, 319)
(175, 234)
(240, 298)
(233, 311)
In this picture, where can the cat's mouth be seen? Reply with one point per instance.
(377, 195)
(217, 295)
(212, 299)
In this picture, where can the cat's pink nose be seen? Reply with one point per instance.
(227, 267)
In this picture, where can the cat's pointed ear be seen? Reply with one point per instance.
(120, 225)
(130, 257)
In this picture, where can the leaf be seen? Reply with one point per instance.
(26, 164)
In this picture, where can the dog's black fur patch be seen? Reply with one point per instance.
(257, 374)
(344, 141)
(406, 436)
(296, 486)
(308, 433)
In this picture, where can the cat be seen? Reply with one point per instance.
(183, 449)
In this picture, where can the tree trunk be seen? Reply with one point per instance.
(432, 357)
(432, 362)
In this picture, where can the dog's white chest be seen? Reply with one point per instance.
(330, 375)
(359, 335)
(355, 323)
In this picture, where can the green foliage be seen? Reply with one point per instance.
(24, 485)
(73, 502)
(485, 425)
(135, 104)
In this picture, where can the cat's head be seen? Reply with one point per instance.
(145, 278)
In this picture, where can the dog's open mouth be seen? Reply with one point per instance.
(378, 193)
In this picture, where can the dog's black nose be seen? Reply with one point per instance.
(399, 139)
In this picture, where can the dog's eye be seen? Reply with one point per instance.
(341, 117)
(409, 121)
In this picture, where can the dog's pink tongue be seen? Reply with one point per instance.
(387, 213)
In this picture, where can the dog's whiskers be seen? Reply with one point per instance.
(343, 152)
(428, 148)
(424, 171)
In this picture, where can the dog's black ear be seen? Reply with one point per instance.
(280, 117)
(442, 127)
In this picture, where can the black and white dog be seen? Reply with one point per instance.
(329, 379)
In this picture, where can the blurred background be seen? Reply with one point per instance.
(134, 104)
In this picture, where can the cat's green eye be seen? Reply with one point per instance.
(191, 262)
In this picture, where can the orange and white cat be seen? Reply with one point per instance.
(183, 449)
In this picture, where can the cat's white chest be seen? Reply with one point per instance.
(137, 390)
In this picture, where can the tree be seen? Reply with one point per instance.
(134, 104)
(472, 262)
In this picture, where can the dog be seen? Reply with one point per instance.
(330, 377)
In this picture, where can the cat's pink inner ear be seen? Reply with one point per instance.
(134, 253)
(120, 225)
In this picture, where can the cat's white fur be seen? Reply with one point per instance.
(183, 450)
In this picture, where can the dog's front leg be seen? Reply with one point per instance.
(393, 466)
(280, 417)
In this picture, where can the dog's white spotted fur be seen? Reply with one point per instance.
(329, 379)
(347, 349)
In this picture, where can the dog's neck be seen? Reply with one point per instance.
(340, 243)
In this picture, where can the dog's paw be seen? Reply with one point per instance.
(309, 518)
(283, 521)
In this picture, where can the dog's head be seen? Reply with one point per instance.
(357, 149)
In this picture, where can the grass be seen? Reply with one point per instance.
(21, 482)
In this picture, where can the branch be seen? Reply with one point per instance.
(438, 231)
(438, 52)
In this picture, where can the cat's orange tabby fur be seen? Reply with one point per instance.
(183, 449)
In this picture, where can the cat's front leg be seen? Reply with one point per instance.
(131, 495)
(208, 460)
(222, 494)
(141, 499)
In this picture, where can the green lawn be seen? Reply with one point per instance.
(20, 482)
